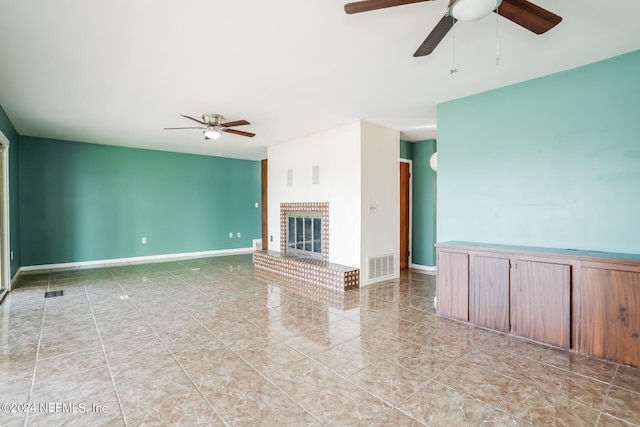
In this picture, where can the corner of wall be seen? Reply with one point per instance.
(380, 204)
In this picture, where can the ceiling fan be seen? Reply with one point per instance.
(212, 128)
(522, 12)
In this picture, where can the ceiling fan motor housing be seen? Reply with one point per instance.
(212, 119)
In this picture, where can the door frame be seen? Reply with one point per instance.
(5, 247)
(410, 162)
(264, 199)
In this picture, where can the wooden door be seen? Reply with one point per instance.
(404, 215)
(540, 302)
(263, 196)
(489, 293)
(452, 285)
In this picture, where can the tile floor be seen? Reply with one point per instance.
(213, 342)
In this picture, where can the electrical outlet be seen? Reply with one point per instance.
(11, 255)
(257, 204)
(144, 240)
(231, 235)
(238, 234)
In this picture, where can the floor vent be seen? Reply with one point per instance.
(380, 266)
(51, 294)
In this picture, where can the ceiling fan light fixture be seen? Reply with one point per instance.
(212, 133)
(472, 10)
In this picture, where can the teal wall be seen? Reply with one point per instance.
(83, 202)
(551, 162)
(406, 150)
(14, 207)
(423, 214)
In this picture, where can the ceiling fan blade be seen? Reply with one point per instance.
(528, 15)
(435, 37)
(195, 120)
(236, 123)
(367, 5)
(194, 127)
(239, 132)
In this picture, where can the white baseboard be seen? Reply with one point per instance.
(31, 269)
(425, 268)
(378, 280)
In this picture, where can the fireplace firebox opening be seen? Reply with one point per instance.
(304, 229)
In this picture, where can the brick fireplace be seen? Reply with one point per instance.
(314, 267)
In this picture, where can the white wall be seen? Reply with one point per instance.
(359, 168)
(337, 153)
(380, 160)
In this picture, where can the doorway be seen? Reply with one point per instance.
(405, 214)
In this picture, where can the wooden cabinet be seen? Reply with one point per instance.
(540, 302)
(584, 301)
(610, 322)
(452, 287)
(489, 293)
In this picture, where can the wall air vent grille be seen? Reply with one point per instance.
(380, 266)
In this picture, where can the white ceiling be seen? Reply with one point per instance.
(116, 72)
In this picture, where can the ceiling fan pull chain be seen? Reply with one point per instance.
(497, 36)
(454, 69)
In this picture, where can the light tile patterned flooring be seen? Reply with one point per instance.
(212, 342)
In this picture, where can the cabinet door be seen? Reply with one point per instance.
(452, 286)
(610, 320)
(489, 293)
(540, 302)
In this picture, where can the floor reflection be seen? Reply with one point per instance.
(214, 341)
